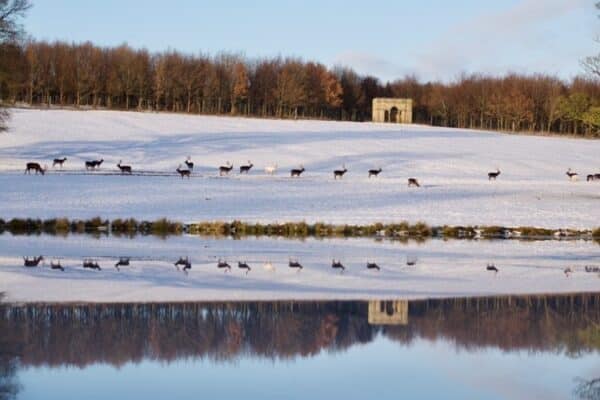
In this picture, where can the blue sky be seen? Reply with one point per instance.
(433, 39)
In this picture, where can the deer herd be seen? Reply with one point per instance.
(186, 265)
(271, 169)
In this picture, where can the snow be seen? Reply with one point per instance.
(451, 164)
(442, 269)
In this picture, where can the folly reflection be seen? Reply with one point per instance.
(58, 335)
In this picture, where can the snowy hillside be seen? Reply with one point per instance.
(452, 166)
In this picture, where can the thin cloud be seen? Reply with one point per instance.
(524, 38)
(518, 29)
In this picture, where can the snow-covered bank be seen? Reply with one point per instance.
(452, 166)
(441, 269)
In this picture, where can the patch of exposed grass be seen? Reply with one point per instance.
(493, 231)
(530, 231)
(128, 226)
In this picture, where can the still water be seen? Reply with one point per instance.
(544, 347)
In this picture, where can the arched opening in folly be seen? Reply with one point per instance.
(394, 114)
(386, 116)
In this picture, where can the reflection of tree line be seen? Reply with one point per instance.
(118, 333)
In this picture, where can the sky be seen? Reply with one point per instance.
(430, 39)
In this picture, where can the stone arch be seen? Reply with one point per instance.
(392, 110)
(394, 115)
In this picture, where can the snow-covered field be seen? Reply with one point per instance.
(451, 164)
(441, 269)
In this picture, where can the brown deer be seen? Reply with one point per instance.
(125, 169)
(244, 169)
(123, 262)
(56, 265)
(593, 177)
(572, 175)
(187, 266)
(296, 172)
(223, 265)
(371, 265)
(33, 166)
(32, 262)
(339, 173)
(337, 265)
(181, 261)
(413, 182)
(93, 164)
(493, 175)
(59, 161)
(225, 169)
(374, 172)
(244, 265)
(89, 264)
(183, 172)
(491, 267)
(189, 163)
(295, 264)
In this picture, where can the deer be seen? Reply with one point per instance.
(572, 175)
(183, 172)
(295, 264)
(181, 261)
(59, 161)
(123, 262)
(125, 169)
(411, 262)
(592, 268)
(374, 172)
(268, 266)
(271, 169)
(244, 265)
(491, 267)
(371, 265)
(188, 162)
(244, 169)
(225, 169)
(33, 166)
(493, 175)
(32, 262)
(568, 271)
(223, 265)
(296, 172)
(93, 164)
(337, 265)
(413, 182)
(89, 264)
(339, 173)
(187, 266)
(56, 265)
(593, 177)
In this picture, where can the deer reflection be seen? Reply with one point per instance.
(32, 262)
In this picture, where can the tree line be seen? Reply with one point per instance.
(79, 335)
(86, 75)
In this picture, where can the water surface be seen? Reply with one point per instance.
(485, 348)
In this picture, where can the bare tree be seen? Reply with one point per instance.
(10, 30)
(10, 13)
(592, 64)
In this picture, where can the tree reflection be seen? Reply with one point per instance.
(57, 335)
(587, 389)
